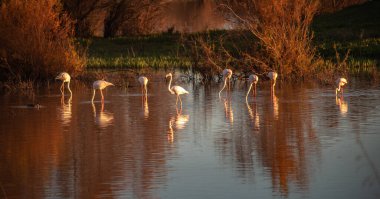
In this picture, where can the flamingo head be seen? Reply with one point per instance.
(110, 84)
(168, 75)
(344, 80)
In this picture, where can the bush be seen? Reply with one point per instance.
(36, 41)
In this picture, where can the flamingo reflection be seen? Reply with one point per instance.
(178, 122)
(275, 105)
(228, 110)
(103, 119)
(145, 107)
(343, 107)
(65, 110)
(254, 115)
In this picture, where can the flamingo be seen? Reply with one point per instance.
(64, 77)
(177, 90)
(100, 84)
(143, 82)
(339, 85)
(253, 79)
(227, 74)
(272, 76)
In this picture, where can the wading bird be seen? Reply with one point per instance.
(37, 106)
(143, 82)
(339, 85)
(253, 79)
(227, 74)
(100, 84)
(177, 90)
(64, 77)
(272, 76)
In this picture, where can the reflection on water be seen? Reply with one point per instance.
(145, 107)
(274, 105)
(103, 118)
(254, 115)
(177, 122)
(229, 113)
(343, 107)
(65, 111)
(295, 143)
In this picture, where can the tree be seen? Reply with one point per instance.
(36, 40)
(132, 17)
(81, 10)
(281, 30)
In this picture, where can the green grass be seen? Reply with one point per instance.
(355, 28)
(353, 23)
(155, 51)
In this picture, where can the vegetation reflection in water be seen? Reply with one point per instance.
(290, 142)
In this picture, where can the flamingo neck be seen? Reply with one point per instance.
(225, 83)
(249, 89)
(68, 87)
(93, 95)
(337, 90)
(170, 82)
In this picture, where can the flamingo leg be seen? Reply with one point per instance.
(176, 102)
(146, 90)
(62, 88)
(93, 109)
(180, 100)
(229, 84)
(63, 100)
(101, 92)
(254, 92)
(93, 96)
(68, 87)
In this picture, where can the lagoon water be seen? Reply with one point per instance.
(300, 143)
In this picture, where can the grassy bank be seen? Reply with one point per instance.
(154, 51)
(356, 29)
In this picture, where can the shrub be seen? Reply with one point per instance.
(36, 41)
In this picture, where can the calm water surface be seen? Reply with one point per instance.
(300, 143)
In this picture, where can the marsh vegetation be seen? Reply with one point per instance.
(312, 43)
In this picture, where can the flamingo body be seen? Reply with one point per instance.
(143, 82)
(227, 74)
(65, 78)
(100, 85)
(340, 82)
(177, 90)
(253, 79)
(273, 77)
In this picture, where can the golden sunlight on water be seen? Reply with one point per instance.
(299, 142)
